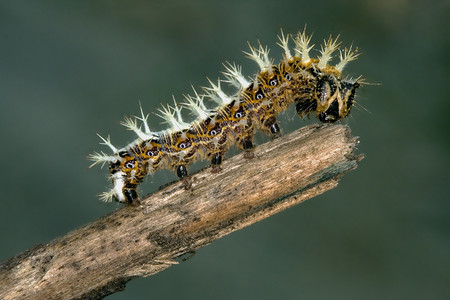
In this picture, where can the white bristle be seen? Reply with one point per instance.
(196, 105)
(119, 183)
(172, 116)
(131, 124)
(107, 196)
(216, 94)
(107, 142)
(326, 50)
(260, 56)
(284, 43)
(234, 76)
(101, 158)
(144, 120)
(346, 56)
(178, 113)
(302, 46)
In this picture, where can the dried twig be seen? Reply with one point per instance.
(101, 257)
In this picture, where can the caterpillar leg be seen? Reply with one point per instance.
(131, 195)
(305, 106)
(246, 144)
(275, 130)
(271, 128)
(182, 174)
(216, 162)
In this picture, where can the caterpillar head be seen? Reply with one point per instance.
(334, 98)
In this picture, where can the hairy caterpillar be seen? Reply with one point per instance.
(311, 83)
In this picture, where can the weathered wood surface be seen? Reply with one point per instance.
(99, 258)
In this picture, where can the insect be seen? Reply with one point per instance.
(311, 84)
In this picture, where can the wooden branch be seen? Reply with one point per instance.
(99, 258)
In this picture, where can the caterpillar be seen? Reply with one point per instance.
(313, 85)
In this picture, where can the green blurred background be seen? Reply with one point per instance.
(70, 69)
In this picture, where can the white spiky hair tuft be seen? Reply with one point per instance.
(326, 50)
(302, 46)
(234, 76)
(101, 158)
(107, 142)
(261, 56)
(284, 43)
(107, 196)
(216, 94)
(131, 124)
(172, 116)
(196, 105)
(346, 56)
